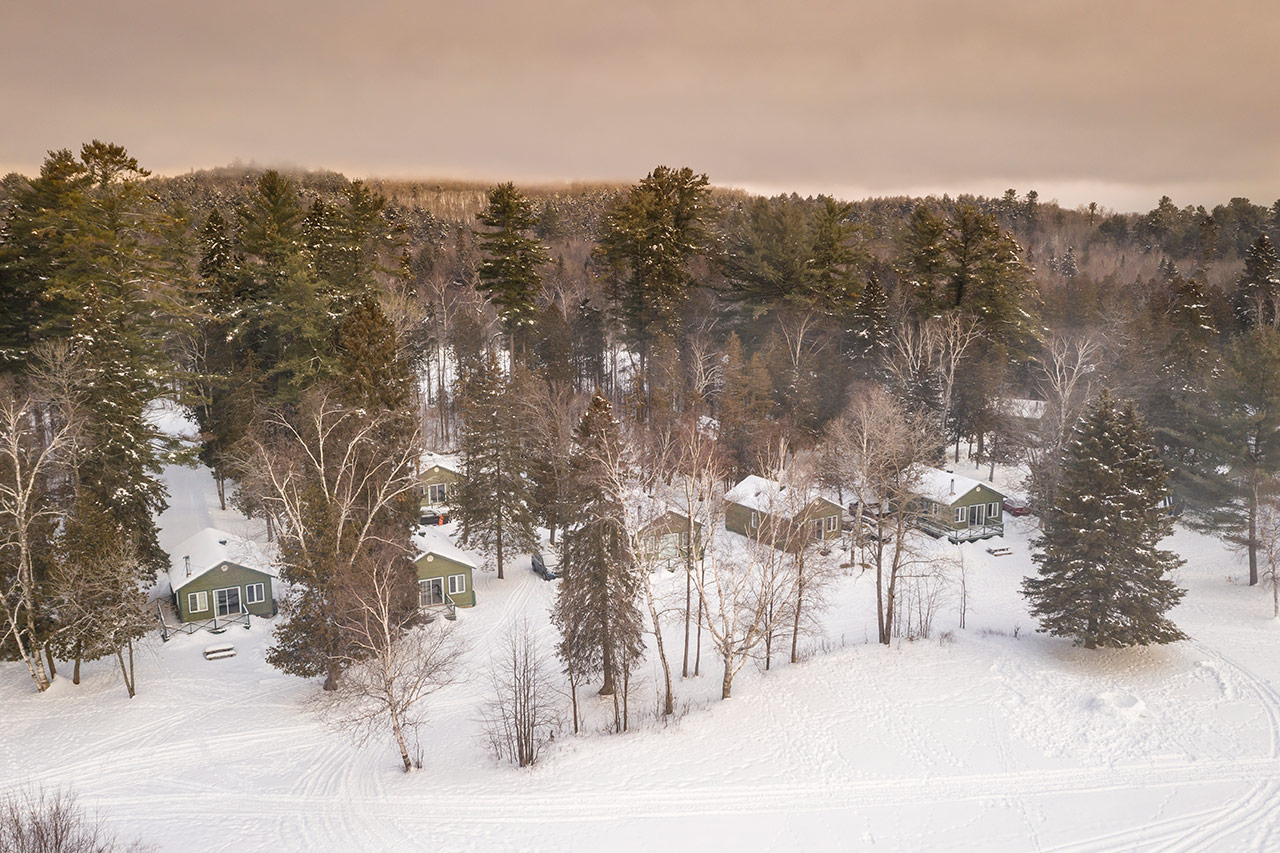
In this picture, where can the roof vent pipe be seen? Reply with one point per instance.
(187, 560)
(953, 485)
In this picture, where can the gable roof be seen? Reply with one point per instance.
(430, 542)
(212, 547)
(448, 461)
(946, 487)
(764, 495)
(670, 521)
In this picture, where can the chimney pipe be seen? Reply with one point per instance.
(187, 560)
(953, 485)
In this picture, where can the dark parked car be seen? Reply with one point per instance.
(542, 569)
(1016, 506)
(432, 518)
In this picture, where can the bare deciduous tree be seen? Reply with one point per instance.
(30, 454)
(521, 716)
(886, 449)
(43, 821)
(392, 663)
(1069, 373)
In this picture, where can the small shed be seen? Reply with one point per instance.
(765, 509)
(445, 576)
(441, 473)
(216, 574)
(961, 508)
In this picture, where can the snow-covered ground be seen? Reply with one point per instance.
(996, 739)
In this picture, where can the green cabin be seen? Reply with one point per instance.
(441, 473)
(960, 508)
(445, 573)
(219, 575)
(768, 511)
(666, 538)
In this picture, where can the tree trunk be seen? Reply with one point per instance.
(726, 686)
(1253, 537)
(498, 541)
(331, 676)
(222, 491)
(795, 625)
(573, 694)
(688, 605)
(75, 671)
(606, 660)
(53, 668)
(668, 703)
(398, 730)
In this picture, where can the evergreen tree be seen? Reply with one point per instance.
(493, 503)
(372, 370)
(1257, 295)
(1241, 430)
(1102, 579)
(868, 331)
(597, 601)
(509, 274)
(646, 240)
(745, 410)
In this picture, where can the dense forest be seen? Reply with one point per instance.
(324, 331)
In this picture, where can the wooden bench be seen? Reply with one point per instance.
(999, 552)
(219, 651)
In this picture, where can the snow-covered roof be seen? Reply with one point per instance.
(946, 487)
(209, 549)
(448, 461)
(430, 542)
(764, 495)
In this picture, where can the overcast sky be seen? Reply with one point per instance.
(1118, 101)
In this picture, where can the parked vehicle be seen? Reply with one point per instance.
(434, 518)
(544, 568)
(1016, 506)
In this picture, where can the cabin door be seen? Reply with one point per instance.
(977, 515)
(228, 601)
(430, 592)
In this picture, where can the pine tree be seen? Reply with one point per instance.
(745, 409)
(509, 274)
(493, 503)
(868, 331)
(1257, 295)
(597, 601)
(1102, 579)
(646, 240)
(1241, 435)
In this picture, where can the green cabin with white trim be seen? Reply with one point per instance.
(960, 508)
(768, 511)
(217, 575)
(441, 474)
(445, 573)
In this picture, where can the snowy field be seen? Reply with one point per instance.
(997, 740)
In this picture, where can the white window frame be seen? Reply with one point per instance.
(461, 587)
(993, 510)
(437, 493)
(249, 591)
(239, 600)
(833, 523)
(424, 589)
(755, 520)
(201, 597)
(818, 526)
(962, 515)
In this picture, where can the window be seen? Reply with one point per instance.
(255, 593)
(993, 509)
(833, 522)
(227, 601)
(755, 520)
(197, 602)
(817, 528)
(457, 584)
(437, 493)
(962, 515)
